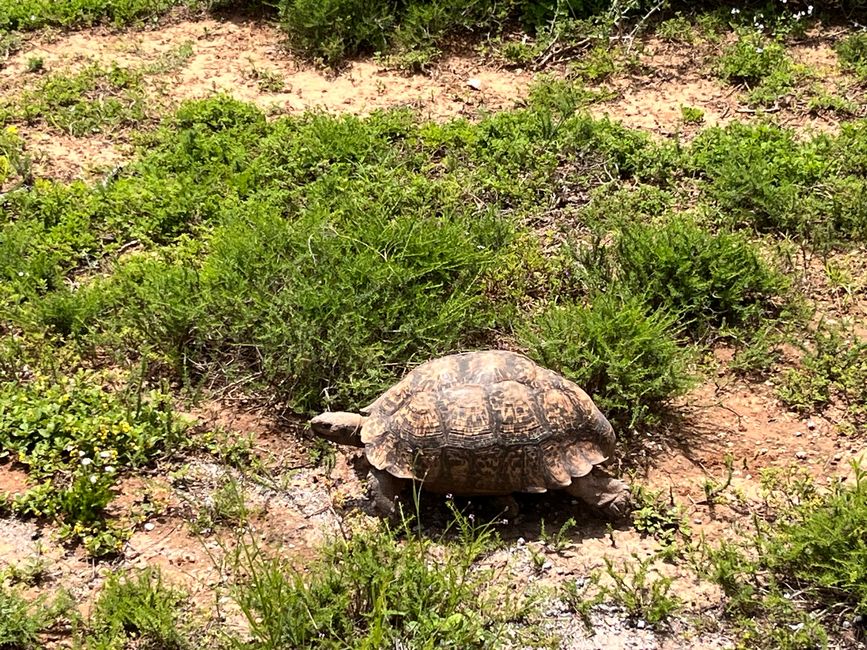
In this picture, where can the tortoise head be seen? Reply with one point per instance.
(340, 427)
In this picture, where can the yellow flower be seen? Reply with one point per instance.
(12, 129)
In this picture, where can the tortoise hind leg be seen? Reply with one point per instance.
(608, 495)
(387, 491)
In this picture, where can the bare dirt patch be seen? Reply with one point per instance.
(62, 157)
(247, 60)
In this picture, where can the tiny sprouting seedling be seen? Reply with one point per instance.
(35, 64)
(559, 541)
(713, 489)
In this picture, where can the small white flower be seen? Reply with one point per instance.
(33, 17)
(109, 469)
(760, 26)
(81, 453)
(759, 50)
(93, 479)
(809, 10)
(86, 461)
(735, 11)
(104, 454)
(20, 274)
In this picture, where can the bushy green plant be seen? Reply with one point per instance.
(21, 621)
(763, 176)
(815, 550)
(333, 30)
(616, 349)
(708, 281)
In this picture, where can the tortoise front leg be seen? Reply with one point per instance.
(387, 491)
(608, 495)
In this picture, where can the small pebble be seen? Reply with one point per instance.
(475, 84)
(149, 526)
(640, 624)
(811, 425)
(801, 455)
(798, 434)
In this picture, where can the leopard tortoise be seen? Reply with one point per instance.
(483, 423)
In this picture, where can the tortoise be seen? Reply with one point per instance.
(489, 423)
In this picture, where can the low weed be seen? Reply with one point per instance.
(832, 371)
(677, 29)
(852, 53)
(225, 506)
(660, 518)
(691, 115)
(788, 584)
(615, 348)
(74, 437)
(135, 608)
(16, 166)
(636, 589)
(89, 101)
(761, 65)
(24, 15)
(30, 572)
(562, 96)
(560, 540)
(372, 590)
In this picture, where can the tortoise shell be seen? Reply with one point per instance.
(486, 423)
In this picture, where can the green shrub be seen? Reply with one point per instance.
(708, 282)
(23, 621)
(622, 354)
(328, 308)
(781, 580)
(822, 545)
(333, 30)
(761, 175)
